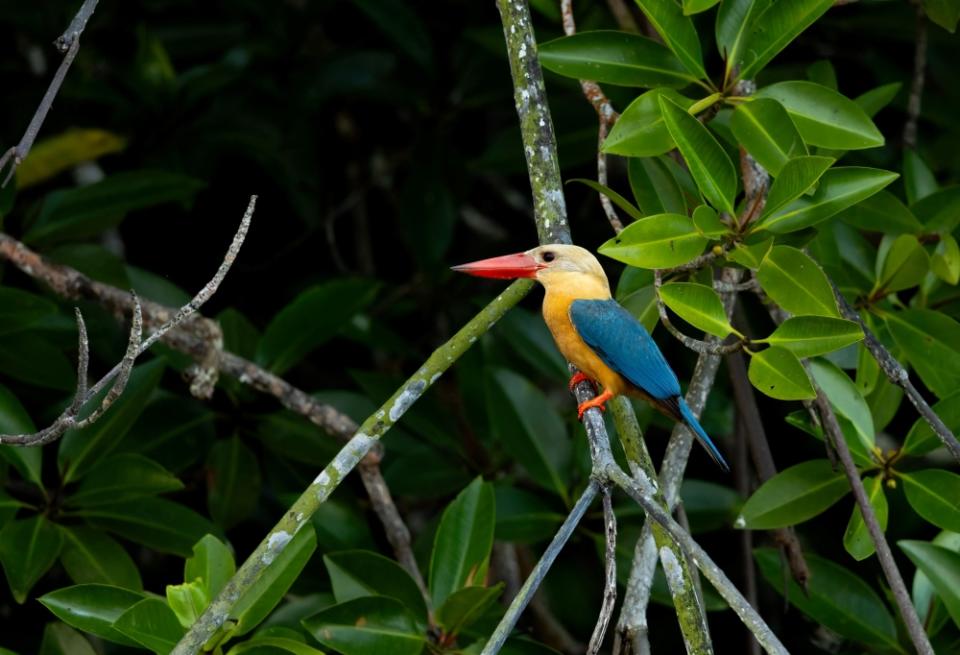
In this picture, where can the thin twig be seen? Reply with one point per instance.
(610, 580)
(741, 469)
(897, 374)
(700, 347)
(621, 13)
(702, 261)
(68, 43)
(897, 587)
(919, 76)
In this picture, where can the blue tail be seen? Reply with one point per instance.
(693, 424)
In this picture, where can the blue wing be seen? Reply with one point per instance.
(625, 346)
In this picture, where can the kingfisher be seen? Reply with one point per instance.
(604, 341)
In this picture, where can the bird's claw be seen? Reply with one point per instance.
(599, 402)
(577, 378)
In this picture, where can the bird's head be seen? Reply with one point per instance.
(547, 264)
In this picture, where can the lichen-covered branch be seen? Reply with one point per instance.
(610, 574)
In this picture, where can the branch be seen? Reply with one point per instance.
(898, 375)
(69, 44)
(916, 87)
(709, 347)
(624, 18)
(899, 590)
(610, 579)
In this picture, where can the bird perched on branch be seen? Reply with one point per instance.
(598, 336)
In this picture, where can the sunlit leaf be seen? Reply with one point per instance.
(808, 336)
(794, 495)
(795, 282)
(765, 129)
(698, 305)
(935, 495)
(775, 28)
(677, 31)
(659, 241)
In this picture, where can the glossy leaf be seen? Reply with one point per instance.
(735, 20)
(845, 398)
(945, 262)
(212, 563)
(28, 548)
(360, 573)
(918, 179)
(796, 178)
(81, 450)
(793, 496)
(61, 639)
(808, 336)
(660, 241)
(267, 645)
(152, 624)
(935, 495)
(60, 152)
(697, 6)
(461, 549)
(836, 599)
(775, 28)
(779, 374)
(708, 223)
(464, 607)
(640, 131)
(285, 341)
(921, 438)
(795, 282)
(375, 624)
(904, 266)
(839, 188)
(93, 608)
(823, 116)
(750, 255)
(942, 566)
(856, 539)
(654, 187)
(14, 419)
(233, 482)
(881, 212)
(875, 99)
(529, 428)
(187, 600)
(677, 31)
(930, 340)
(709, 164)
(93, 557)
(122, 477)
(614, 197)
(944, 13)
(698, 305)
(766, 130)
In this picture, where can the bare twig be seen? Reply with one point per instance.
(741, 469)
(702, 347)
(610, 581)
(916, 86)
(699, 262)
(68, 43)
(621, 13)
(897, 587)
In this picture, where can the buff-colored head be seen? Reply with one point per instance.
(553, 264)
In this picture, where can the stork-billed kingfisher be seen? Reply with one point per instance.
(598, 336)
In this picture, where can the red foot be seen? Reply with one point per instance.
(577, 378)
(595, 402)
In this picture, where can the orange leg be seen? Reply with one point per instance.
(596, 402)
(579, 377)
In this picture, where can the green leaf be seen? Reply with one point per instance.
(30, 357)
(523, 516)
(697, 6)
(529, 428)
(654, 187)
(642, 303)
(945, 262)
(808, 336)
(80, 450)
(640, 131)
(610, 57)
(835, 598)
(266, 645)
(528, 336)
(823, 73)
(921, 438)
(709, 506)
(779, 374)
(154, 522)
(708, 223)
(765, 129)
(823, 116)
(677, 31)
(750, 255)
(374, 624)
(735, 20)
(233, 482)
(775, 28)
(940, 211)
(839, 188)
(14, 419)
(944, 13)
(285, 341)
(857, 538)
(930, 340)
(614, 197)
(660, 241)
(86, 211)
(61, 639)
(875, 99)
(93, 608)
(461, 548)
(212, 563)
(904, 266)
(187, 600)
(464, 607)
(19, 310)
(28, 548)
(881, 212)
(151, 624)
(935, 495)
(796, 178)
(709, 164)
(698, 305)
(259, 599)
(795, 282)
(122, 477)
(918, 180)
(90, 556)
(793, 496)
(942, 566)
(845, 398)
(360, 573)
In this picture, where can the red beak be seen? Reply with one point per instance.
(506, 267)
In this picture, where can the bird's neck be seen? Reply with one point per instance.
(576, 286)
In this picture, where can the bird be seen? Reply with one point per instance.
(604, 341)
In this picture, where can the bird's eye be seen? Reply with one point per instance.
(549, 256)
